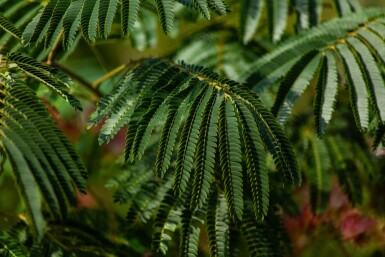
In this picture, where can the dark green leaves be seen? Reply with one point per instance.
(14, 16)
(42, 158)
(216, 114)
(256, 173)
(319, 56)
(130, 10)
(309, 13)
(166, 13)
(95, 18)
(230, 158)
(50, 77)
(7, 25)
(206, 150)
(251, 11)
(326, 93)
(107, 11)
(71, 22)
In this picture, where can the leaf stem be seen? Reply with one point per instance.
(99, 81)
(52, 53)
(78, 78)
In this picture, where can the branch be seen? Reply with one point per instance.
(52, 53)
(78, 78)
(111, 73)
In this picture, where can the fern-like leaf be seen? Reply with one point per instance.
(326, 93)
(166, 12)
(278, 11)
(274, 138)
(168, 137)
(206, 150)
(28, 184)
(51, 77)
(9, 247)
(55, 24)
(346, 7)
(42, 158)
(251, 13)
(166, 222)
(218, 230)
(319, 175)
(230, 158)
(212, 108)
(373, 80)
(35, 31)
(189, 234)
(258, 244)
(107, 11)
(359, 99)
(189, 137)
(8, 26)
(255, 161)
(95, 18)
(309, 13)
(341, 41)
(289, 92)
(71, 22)
(89, 19)
(130, 9)
(203, 7)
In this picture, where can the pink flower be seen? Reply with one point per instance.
(354, 225)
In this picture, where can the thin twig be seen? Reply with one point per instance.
(108, 75)
(52, 53)
(78, 78)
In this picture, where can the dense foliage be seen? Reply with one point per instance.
(192, 128)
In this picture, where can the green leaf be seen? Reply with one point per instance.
(51, 77)
(257, 173)
(319, 175)
(230, 158)
(294, 84)
(205, 152)
(166, 12)
(28, 183)
(107, 9)
(251, 13)
(8, 26)
(219, 6)
(55, 24)
(326, 93)
(359, 98)
(372, 75)
(273, 137)
(278, 11)
(262, 238)
(203, 7)
(9, 247)
(36, 30)
(71, 22)
(169, 134)
(89, 19)
(217, 225)
(130, 10)
(189, 234)
(189, 138)
(165, 223)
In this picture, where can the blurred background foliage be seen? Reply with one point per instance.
(335, 227)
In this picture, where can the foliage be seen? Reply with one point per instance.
(217, 137)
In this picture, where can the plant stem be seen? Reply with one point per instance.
(78, 78)
(52, 53)
(108, 75)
